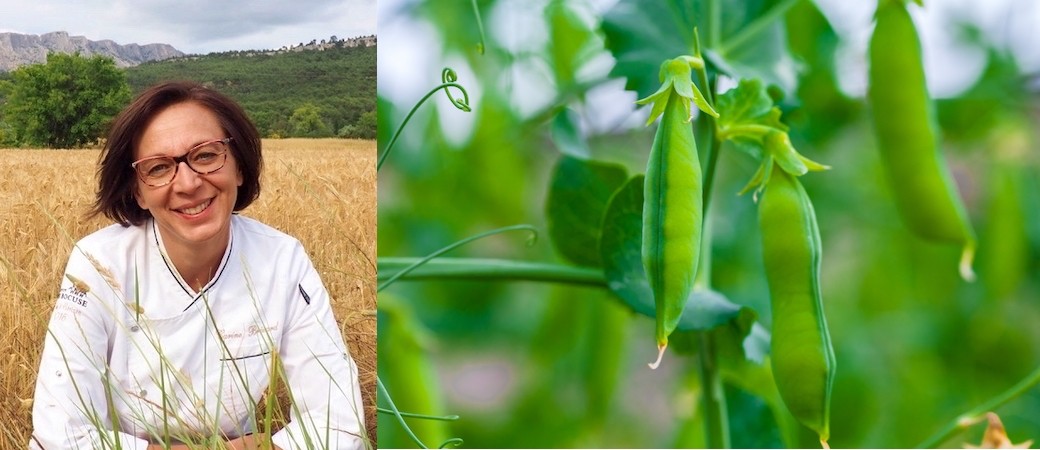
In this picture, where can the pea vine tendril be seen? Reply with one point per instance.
(392, 410)
(449, 77)
(454, 442)
(480, 27)
(448, 80)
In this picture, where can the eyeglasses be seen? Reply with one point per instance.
(205, 158)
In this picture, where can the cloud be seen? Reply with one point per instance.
(196, 26)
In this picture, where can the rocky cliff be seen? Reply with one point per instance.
(20, 49)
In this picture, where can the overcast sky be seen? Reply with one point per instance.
(194, 26)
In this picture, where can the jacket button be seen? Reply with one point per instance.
(135, 328)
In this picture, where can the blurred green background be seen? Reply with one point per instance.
(526, 364)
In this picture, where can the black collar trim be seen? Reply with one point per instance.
(180, 282)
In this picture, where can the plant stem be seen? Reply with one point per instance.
(975, 415)
(490, 269)
(480, 27)
(451, 247)
(748, 129)
(417, 416)
(714, 23)
(714, 146)
(713, 398)
(755, 27)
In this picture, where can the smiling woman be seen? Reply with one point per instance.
(171, 324)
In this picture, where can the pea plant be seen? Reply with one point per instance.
(641, 252)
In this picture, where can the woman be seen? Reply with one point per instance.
(170, 324)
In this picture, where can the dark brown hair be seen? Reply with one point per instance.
(117, 180)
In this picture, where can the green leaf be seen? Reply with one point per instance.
(571, 43)
(756, 344)
(755, 419)
(620, 247)
(707, 309)
(748, 104)
(578, 196)
(752, 147)
(734, 338)
(772, 119)
(743, 104)
(641, 34)
(749, 120)
(765, 56)
(567, 136)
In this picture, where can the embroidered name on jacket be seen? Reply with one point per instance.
(249, 331)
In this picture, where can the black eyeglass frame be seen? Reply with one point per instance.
(177, 160)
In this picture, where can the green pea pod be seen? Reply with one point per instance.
(672, 213)
(672, 204)
(905, 124)
(802, 356)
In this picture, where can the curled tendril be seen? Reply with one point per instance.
(455, 442)
(448, 80)
(406, 270)
(532, 239)
(401, 415)
(397, 413)
(480, 27)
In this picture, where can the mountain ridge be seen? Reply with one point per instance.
(20, 49)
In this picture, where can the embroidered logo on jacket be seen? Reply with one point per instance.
(78, 284)
(77, 293)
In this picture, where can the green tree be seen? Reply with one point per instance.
(367, 125)
(306, 121)
(66, 102)
(365, 128)
(341, 82)
(6, 87)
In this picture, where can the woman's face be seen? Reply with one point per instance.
(192, 211)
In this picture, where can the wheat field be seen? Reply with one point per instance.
(322, 191)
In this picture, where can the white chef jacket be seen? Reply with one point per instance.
(134, 354)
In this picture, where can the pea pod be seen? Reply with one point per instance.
(905, 125)
(801, 352)
(672, 206)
